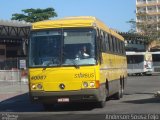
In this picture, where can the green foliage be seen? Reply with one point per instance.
(132, 23)
(35, 15)
(146, 26)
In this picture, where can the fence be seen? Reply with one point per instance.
(10, 75)
(9, 71)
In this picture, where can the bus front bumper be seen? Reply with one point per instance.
(86, 95)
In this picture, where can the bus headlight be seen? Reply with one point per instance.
(33, 86)
(92, 84)
(85, 84)
(39, 86)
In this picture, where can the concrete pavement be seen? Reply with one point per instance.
(9, 89)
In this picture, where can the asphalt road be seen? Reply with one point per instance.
(139, 98)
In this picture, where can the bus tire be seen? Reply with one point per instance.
(101, 104)
(122, 87)
(107, 90)
(119, 94)
(149, 74)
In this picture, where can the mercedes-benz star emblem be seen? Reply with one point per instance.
(62, 86)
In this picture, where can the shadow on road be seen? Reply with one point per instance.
(143, 93)
(74, 107)
(144, 101)
(153, 74)
(21, 103)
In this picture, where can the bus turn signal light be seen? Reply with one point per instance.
(97, 84)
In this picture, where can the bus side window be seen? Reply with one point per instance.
(110, 43)
(118, 48)
(123, 48)
(113, 44)
(107, 42)
(103, 42)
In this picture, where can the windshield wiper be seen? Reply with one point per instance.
(47, 65)
(75, 64)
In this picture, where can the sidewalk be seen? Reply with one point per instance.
(9, 89)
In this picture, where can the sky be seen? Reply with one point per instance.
(114, 13)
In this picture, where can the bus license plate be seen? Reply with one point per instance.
(63, 100)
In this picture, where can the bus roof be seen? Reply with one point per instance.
(70, 22)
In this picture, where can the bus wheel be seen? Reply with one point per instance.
(48, 107)
(118, 95)
(122, 88)
(101, 104)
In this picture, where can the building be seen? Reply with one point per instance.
(13, 37)
(135, 42)
(13, 45)
(148, 11)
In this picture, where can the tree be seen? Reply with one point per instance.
(35, 15)
(132, 23)
(145, 26)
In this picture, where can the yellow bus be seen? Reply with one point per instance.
(75, 59)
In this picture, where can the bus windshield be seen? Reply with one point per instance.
(62, 48)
